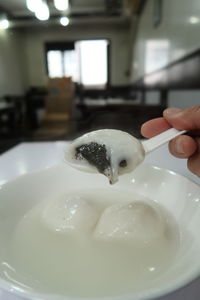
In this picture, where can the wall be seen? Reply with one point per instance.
(175, 37)
(183, 99)
(11, 72)
(180, 99)
(36, 37)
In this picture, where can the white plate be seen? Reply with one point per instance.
(176, 193)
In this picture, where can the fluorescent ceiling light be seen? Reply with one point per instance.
(42, 13)
(4, 23)
(61, 4)
(33, 5)
(64, 21)
(194, 20)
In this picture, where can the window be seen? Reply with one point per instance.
(63, 64)
(157, 54)
(54, 60)
(71, 66)
(86, 63)
(93, 62)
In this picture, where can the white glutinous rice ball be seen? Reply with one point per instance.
(73, 213)
(107, 151)
(137, 221)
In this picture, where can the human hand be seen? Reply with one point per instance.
(183, 146)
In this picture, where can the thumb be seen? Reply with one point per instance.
(188, 119)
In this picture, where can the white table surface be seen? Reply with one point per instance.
(29, 157)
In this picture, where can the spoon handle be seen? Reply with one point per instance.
(160, 139)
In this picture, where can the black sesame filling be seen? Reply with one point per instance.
(95, 154)
(123, 163)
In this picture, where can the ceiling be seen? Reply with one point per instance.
(80, 12)
(17, 8)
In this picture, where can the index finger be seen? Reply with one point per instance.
(154, 127)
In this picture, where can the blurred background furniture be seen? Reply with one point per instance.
(56, 122)
(12, 121)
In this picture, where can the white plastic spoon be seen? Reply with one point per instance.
(160, 139)
(113, 152)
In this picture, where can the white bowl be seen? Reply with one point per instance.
(176, 193)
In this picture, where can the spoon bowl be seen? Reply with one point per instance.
(113, 152)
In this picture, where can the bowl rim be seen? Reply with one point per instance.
(151, 294)
(144, 164)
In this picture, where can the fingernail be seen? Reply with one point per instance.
(179, 147)
(172, 111)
